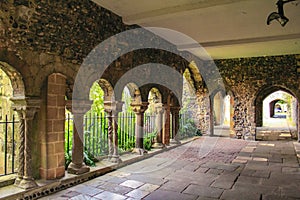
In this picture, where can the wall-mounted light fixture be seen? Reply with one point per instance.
(279, 16)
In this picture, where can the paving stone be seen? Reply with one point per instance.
(250, 180)
(291, 170)
(202, 170)
(275, 197)
(166, 195)
(119, 174)
(275, 160)
(94, 183)
(238, 195)
(109, 195)
(132, 184)
(240, 161)
(205, 198)
(115, 188)
(218, 165)
(191, 167)
(149, 187)
(81, 197)
(203, 191)
(260, 159)
(70, 194)
(147, 179)
(292, 191)
(138, 194)
(215, 171)
(279, 181)
(225, 181)
(88, 190)
(175, 186)
(117, 180)
(256, 188)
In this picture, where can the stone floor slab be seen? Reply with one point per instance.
(182, 174)
(203, 191)
(132, 184)
(109, 195)
(163, 194)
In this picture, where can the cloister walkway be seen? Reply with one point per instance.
(206, 168)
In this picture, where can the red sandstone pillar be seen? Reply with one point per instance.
(77, 166)
(139, 109)
(166, 130)
(175, 124)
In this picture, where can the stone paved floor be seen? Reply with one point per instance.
(207, 168)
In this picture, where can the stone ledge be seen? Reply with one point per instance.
(7, 180)
(47, 187)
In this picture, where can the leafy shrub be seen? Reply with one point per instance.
(189, 129)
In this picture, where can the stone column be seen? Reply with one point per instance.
(166, 129)
(232, 131)
(158, 126)
(298, 123)
(175, 124)
(79, 108)
(26, 109)
(211, 116)
(113, 109)
(139, 109)
(110, 131)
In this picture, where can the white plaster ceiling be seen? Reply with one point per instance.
(225, 28)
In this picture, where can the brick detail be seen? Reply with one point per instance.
(53, 165)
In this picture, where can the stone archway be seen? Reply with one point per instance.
(258, 103)
(15, 78)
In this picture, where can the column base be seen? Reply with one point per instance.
(27, 183)
(158, 145)
(175, 141)
(109, 157)
(18, 181)
(115, 159)
(139, 151)
(78, 169)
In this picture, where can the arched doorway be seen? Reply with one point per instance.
(276, 114)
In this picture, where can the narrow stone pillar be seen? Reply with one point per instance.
(113, 109)
(232, 131)
(139, 109)
(298, 123)
(79, 108)
(211, 116)
(175, 124)
(110, 130)
(159, 110)
(166, 129)
(26, 109)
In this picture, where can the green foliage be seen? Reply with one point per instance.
(126, 98)
(148, 141)
(189, 129)
(68, 159)
(97, 95)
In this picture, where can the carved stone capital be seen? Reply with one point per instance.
(26, 107)
(139, 108)
(79, 106)
(113, 106)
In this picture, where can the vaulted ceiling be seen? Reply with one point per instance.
(225, 28)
